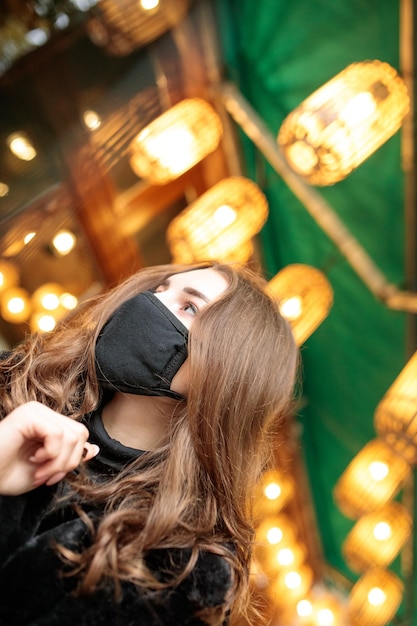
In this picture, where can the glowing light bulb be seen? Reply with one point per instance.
(304, 608)
(50, 301)
(382, 531)
(285, 557)
(15, 305)
(28, 237)
(64, 242)
(378, 470)
(291, 308)
(376, 596)
(21, 147)
(46, 323)
(91, 119)
(360, 107)
(68, 301)
(224, 216)
(274, 535)
(171, 148)
(272, 491)
(293, 580)
(325, 617)
(4, 190)
(149, 5)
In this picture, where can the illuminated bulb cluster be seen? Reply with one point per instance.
(49, 303)
(278, 552)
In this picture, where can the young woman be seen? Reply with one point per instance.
(178, 377)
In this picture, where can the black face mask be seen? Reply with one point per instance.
(141, 348)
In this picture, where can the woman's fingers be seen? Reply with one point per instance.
(62, 452)
(38, 446)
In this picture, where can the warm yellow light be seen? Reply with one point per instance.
(291, 308)
(274, 535)
(4, 190)
(304, 608)
(342, 123)
(305, 297)
(382, 531)
(176, 141)
(42, 322)
(196, 234)
(91, 119)
(224, 216)
(47, 297)
(396, 415)
(378, 470)
(293, 580)
(365, 485)
(21, 146)
(68, 301)
(377, 537)
(375, 598)
(9, 275)
(272, 491)
(285, 557)
(325, 617)
(28, 237)
(15, 305)
(63, 242)
(288, 588)
(149, 5)
(127, 24)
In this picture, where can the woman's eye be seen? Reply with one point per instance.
(191, 308)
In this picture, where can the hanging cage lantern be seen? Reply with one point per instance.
(272, 493)
(372, 478)
(305, 297)
(376, 538)
(120, 26)
(291, 585)
(375, 598)
(175, 141)
(219, 223)
(342, 123)
(395, 417)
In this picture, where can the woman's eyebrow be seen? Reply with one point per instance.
(194, 292)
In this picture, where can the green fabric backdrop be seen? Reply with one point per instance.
(278, 52)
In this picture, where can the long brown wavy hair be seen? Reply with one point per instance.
(195, 492)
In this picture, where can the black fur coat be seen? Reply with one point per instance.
(33, 591)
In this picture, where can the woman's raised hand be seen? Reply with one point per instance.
(39, 446)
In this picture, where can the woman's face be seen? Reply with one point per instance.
(185, 295)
